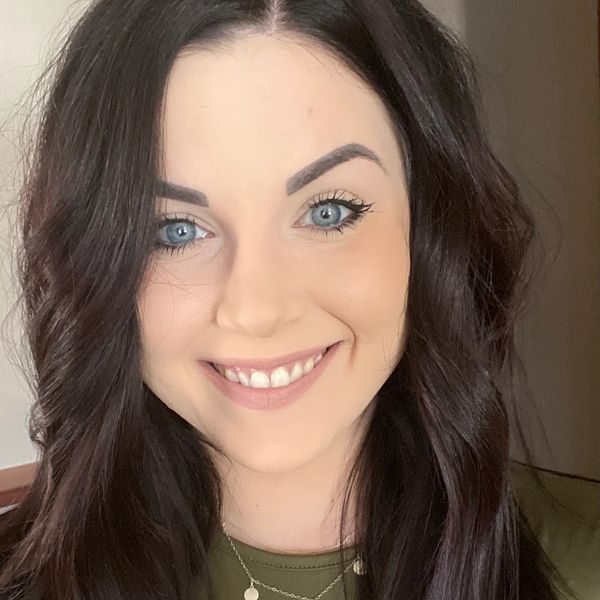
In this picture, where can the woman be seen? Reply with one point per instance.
(231, 196)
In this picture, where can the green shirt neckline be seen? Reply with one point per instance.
(259, 556)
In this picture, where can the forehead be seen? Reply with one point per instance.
(264, 102)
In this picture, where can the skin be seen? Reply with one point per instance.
(267, 281)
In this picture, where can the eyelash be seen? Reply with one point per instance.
(356, 205)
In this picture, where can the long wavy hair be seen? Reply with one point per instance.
(126, 500)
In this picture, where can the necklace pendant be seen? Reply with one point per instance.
(251, 593)
(359, 566)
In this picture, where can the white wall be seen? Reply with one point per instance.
(539, 62)
(28, 30)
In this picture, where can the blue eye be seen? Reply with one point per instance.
(329, 210)
(174, 230)
(184, 229)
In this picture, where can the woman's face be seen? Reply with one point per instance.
(263, 278)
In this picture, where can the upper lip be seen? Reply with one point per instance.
(269, 363)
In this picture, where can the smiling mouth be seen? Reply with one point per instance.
(255, 378)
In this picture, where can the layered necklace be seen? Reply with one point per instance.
(251, 593)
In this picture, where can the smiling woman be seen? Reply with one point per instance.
(270, 291)
(267, 265)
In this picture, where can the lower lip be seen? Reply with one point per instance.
(268, 398)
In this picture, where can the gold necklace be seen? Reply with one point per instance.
(287, 550)
(251, 593)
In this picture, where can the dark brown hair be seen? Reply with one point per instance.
(126, 500)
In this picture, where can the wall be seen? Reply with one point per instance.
(540, 70)
(29, 29)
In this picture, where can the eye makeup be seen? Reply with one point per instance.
(357, 207)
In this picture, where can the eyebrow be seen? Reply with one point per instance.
(295, 182)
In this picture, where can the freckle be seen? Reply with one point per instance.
(310, 110)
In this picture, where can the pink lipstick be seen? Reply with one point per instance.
(268, 398)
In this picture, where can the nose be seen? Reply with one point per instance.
(260, 296)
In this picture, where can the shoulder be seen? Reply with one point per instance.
(566, 522)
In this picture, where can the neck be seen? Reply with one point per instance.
(237, 534)
(296, 511)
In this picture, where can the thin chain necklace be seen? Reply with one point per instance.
(286, 550)
(251, 593)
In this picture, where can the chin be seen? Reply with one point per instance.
(273, 456)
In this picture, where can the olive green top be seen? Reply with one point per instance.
(571, 535)
(299, 574)
(571, 538)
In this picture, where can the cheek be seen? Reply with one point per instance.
(169, 309)
(370, 282)
(169, 314)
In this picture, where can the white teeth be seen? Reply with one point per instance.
(309, 365)
(296, 373)
(258, 379)
(229, 374)
(278, 378)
